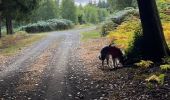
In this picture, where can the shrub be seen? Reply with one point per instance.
(49, 25)
(165, 67)
(117, 18)
(120, 16)
(124, 33)
(156, 79)
(166, 27)
(144, 64)
(108, 27)
(9, 40)
(166, 60)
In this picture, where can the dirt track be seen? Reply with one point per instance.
(42, 71)
(59, 67)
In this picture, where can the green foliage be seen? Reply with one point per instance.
(18, 9)
(11, 44)
(103, 4)
(134, 47)
(121, 4)
(165, 67)
(164, 17)
(49, 25)
(108, 27)
(93, 14)
(48, 9)
(166, 60)
(91, 34)
(68, 10)
(156, 79)
(144, 64)
(117, 18)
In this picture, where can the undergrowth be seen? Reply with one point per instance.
(11, 44)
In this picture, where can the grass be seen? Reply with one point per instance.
(83, 26)
(91, 34)
(10, 45)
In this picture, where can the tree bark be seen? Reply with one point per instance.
(9, 25)
(0, 20)
(154, 44)
(0, 25)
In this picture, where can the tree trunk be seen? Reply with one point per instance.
(9, 26)
(0, 26)
(0, 20)
(154, 46)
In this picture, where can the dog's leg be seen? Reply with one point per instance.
(113, 65)
(102, 62)
(107, 58)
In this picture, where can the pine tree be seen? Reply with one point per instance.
(22, 9)
(68, 10)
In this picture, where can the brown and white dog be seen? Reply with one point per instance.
(112, 51)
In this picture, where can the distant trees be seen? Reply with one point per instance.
(68, 10)
(22, 12)
(16, 9)
(48, 9)
(103, 4)
(94, 14)
(121, 4)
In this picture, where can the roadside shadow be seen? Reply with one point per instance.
(108, 69)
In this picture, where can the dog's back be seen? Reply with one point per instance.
(113, 51)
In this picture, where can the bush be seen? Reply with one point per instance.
(156, 79)
(108, 27)
(117, 18)
(121, 16)
(165, 67)
(144, 64)
(49, 25)
(124, 33)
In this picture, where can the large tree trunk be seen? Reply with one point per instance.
(9, 26)
(154, 46)
(0, 20)
(0, 26)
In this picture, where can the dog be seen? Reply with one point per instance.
(112, 51)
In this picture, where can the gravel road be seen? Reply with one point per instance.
(43, 70)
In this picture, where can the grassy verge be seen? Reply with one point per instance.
(10, 45)
(90, 34)
(83, 26)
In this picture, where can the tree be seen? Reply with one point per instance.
(0, 19)
(120, 4)
(68, 10)
(13, 9)
(48, 9)
(102, 14)
(154, 45)
(91, 14)
(80, 14)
